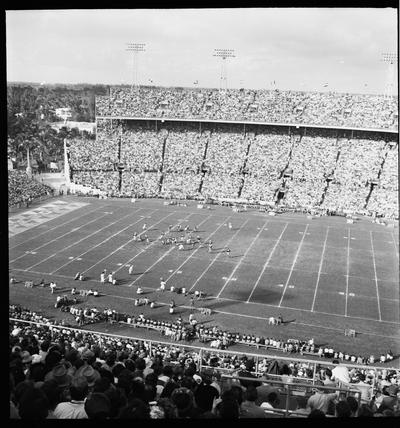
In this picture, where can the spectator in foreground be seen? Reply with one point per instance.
(249, 408)
(321, 399)
(33, 405)
(316, 413)
(97, 406)
(75, 408)
(342, 409)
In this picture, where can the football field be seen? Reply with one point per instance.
(322, 274)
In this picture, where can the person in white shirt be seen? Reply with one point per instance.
(74, 409)
(53, 286)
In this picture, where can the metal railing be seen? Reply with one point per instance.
(202, 350)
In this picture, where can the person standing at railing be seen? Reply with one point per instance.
(249, 408)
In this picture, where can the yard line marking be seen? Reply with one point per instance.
(198, 248)
(224, 298)
(212, 262)
(108, 255)
(307, 310)
(320, 269)
(58, 237)
(80, 240)
(376, 279)
(395, 245)
(266, 263)
(236, 267)
(101, 242)
(291, 269)
(153, 243)
(55, 227)
(160, 258)
(347, 273)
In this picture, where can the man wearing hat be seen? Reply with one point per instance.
(59, 374)
(89, 373)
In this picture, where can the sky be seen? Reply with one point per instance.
(322, 49)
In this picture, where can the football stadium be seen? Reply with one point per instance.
(210, 253)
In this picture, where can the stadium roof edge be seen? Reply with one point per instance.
(299, 125)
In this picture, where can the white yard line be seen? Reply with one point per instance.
(266, 263)
(58, 237)
(237, 266)
(101, 242)
(294, 262)
(347, 270)
(160, 258)
(395, 245)
(198, 248)
(308, 310)
(122, 246)
(376, 279)
(212, 262)
(55, 227)
(80, 240)
(221, 298)
(149, 246)
(319, 270)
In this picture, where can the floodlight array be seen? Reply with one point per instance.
(224, 53)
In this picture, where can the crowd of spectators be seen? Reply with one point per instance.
(143, 184)
(141, 147)
(191, 330)
(98, 154)
(269, 164)
(23, 190)
(181, 185)
(106, 181)
(271, 106)
(184, 150)
(62, 373)
(384, 196)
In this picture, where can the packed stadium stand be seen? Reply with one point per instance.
(330, 152)
(23, 190)
(69, 373)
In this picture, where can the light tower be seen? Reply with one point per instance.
(224, 54)
(135, 48)
(391, 60)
